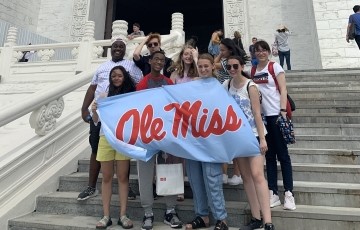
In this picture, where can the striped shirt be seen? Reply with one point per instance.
(101, 77)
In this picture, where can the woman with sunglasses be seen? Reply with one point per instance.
(274, 104)
(205, 178)
(153, 43)
(246, 94)
(228, 48)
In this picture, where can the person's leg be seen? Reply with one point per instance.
(225, 176)
(249, 187)
(262, 192)
(287, 57)
(94, 164)
(213, 186)
(146, 176)
(236, 178)
(122, 167)
(357, 40)
(271, 166)
(106, 185)
(281, 58)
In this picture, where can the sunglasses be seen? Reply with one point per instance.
(235, 66)
(154, 44)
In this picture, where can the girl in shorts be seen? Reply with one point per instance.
(120, 82)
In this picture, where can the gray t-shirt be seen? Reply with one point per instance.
(282, 41)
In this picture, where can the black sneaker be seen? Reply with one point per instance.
(269, 227)
(131, 194)
(173, 220)
(147, 223)
(253, 224)
(220, 225)
(88, 193)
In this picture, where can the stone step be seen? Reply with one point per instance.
(323, 76)
(306, 192)
(327, 142)
(38, 220)
(310, 109)
(325, 156)
(327, 129)
(324, 95)
(305, 102)
(338, 118)
(296, 88)
(238, 212)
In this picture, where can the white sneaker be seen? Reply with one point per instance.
(225, 178)
(235, 180)
(289, 201)
(274, 199)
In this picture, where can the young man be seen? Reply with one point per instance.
(354, 20)
(146, 169)
(153, 43)
(99, 85)
(254, 61)
(137, 32)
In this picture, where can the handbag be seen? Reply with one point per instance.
(169, 179)
(287, 129)
(274, 49)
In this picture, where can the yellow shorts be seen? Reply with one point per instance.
(107, 153)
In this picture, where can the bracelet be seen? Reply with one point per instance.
(282, 110)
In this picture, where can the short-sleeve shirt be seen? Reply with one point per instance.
(144, 65)
(149, 82)
(282, 41)
(270, 95)
(355, 19)
(101, 77)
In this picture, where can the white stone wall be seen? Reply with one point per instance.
(55, 19)
(264, 17)
(331, 21)
(20, 13)
(97, 13)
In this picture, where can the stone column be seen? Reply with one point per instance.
(8, 56)
(177, 27)
(85, 51)
(235, 18)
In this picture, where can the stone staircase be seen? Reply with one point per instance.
(325, 160)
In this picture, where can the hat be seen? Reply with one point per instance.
(281, 27)
(118, 39)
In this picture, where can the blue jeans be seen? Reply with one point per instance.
(206, 183)
(277, 148)
(285, 55)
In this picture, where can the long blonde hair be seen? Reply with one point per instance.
(178, 65)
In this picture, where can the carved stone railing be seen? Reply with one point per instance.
(46, 106)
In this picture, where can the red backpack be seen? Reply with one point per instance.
(290, 105)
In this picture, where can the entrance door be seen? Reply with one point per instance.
(201, 17)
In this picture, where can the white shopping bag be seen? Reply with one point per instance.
(169, 179)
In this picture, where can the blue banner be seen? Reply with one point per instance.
(197, 120)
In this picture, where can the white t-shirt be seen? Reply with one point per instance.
(242, 98)
(270, 95)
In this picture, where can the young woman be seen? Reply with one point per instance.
(246, 95)
(281, 40)
(274, 102)
(120, 82)
(227, 49)
(185, 70)
(206, 178)
(213, 47)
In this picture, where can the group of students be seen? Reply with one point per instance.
(118, 76)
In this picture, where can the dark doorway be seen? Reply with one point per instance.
(201, 17)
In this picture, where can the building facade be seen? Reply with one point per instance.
(318, 26)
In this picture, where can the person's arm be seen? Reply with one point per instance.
(217, 62)
(95, 116)
(135, 73)
(283, 92)
(255, 107)
(137, 52)
(195, 54)
(141, 85)
(89, 97)
(347, 32)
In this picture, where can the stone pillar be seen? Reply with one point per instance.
(85, 50)
(177, 27)
(119, 30)
(8, 56)
(235, 18)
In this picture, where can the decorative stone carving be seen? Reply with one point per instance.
(119, 30)
(177, 21)
(97, 51)
(43, 120)
(11, 37)
(75, 52)
(89, 31)
(46, 54)
(80, 12)
(234, 17)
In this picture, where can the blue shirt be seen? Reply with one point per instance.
(355, 19)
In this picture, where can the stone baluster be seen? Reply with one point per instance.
(8, 56)
(45, 54)
(177, 21)
(11, 37)
(177, 27)
(119, 30)
(89, 31)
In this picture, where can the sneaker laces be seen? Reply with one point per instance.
(89, 190)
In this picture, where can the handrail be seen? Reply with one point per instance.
(43, 97)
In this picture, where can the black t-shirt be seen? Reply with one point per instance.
(143, 64)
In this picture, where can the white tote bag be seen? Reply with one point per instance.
(169, 179)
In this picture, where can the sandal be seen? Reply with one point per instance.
(125, 222)
(180, 197)
(197, 223)
(221, 225)
(104, 223)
